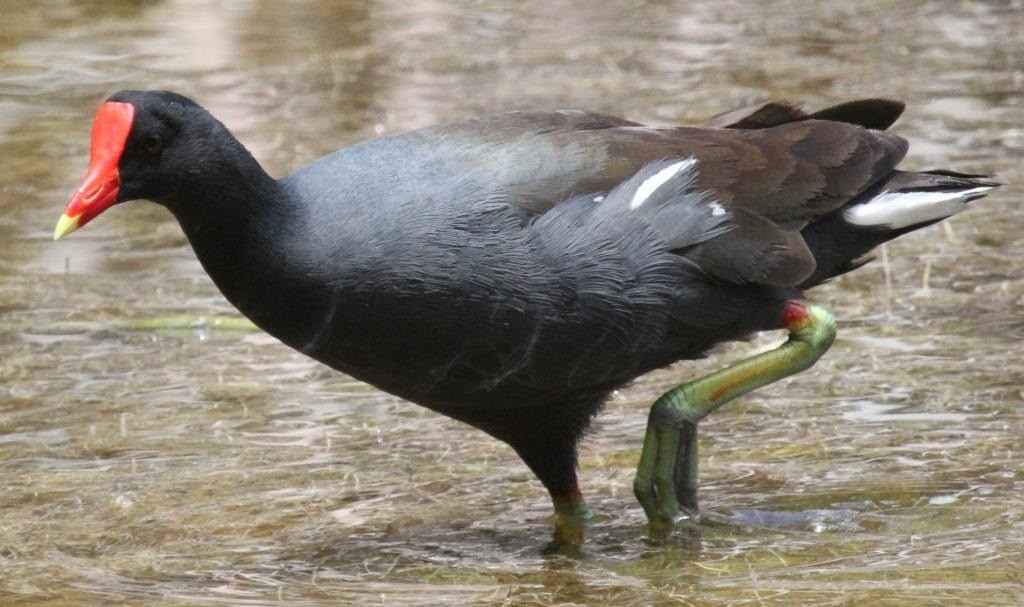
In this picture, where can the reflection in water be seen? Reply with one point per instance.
(217, 467)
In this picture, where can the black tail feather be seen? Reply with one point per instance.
(840, 246)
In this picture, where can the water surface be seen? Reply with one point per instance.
(216, 467)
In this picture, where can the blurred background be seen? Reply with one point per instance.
(205, 466)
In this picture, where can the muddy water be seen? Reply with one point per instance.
(210, 466)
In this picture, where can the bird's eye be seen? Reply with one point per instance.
(153, 144)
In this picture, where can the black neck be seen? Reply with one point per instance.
(242, 224)
(232, 191)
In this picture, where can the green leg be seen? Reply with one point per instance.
(667, 475)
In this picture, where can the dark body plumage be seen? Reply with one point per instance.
(499, 271)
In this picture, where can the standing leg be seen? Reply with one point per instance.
(571, 514)
(552, 457)
(667, 475)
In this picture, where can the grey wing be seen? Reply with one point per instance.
(774, 179)
(785, 171)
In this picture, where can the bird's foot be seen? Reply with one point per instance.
(571, 516)
(666, 479)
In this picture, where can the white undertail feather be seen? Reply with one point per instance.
(896, 210)
(655, 181)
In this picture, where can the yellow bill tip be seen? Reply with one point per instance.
(65, 226)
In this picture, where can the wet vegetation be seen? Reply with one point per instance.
(151, 455)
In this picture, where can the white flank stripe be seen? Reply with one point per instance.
(655, 181)
(897, 210)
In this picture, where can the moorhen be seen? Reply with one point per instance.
(510, 271)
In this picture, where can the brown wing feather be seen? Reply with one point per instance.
(775, 166)
(791, 174)
(877, 114)
(759, 116)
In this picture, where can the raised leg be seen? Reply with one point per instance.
(667, 475)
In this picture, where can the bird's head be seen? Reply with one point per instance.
(145, 144)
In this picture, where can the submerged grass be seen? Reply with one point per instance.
(156, 451)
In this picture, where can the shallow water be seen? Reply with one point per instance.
(215, 467)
